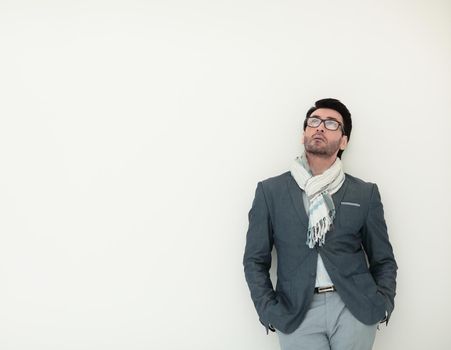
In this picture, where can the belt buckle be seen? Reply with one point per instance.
(326, 289)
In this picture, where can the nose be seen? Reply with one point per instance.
(321, 127)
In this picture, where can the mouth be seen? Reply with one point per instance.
(319, 138)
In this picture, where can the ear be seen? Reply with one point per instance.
(302, 137)
(343, 142)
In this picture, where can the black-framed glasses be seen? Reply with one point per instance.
(329, 124)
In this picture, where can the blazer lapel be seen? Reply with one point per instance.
(338, 196)
(296, 196)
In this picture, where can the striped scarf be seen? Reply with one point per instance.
(319, 190)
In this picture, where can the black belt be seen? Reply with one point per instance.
(319, 290)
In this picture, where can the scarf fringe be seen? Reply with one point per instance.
(317, 233)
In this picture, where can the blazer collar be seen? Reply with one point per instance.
(296, 196)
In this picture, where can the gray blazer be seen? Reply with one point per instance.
(357, 253)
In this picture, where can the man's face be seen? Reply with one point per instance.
(321, 141)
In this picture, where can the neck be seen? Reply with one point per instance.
(318, 164)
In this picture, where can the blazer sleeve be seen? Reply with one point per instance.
(377, 246)
(257, 256)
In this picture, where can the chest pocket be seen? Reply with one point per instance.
(351, 216)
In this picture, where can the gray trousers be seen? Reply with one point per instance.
(329, 325)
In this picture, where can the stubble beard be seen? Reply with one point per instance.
(323, 150)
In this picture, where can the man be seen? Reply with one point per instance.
(336, 273)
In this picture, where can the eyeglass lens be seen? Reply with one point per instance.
(328, 123)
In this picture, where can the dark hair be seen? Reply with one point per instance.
(336, 105)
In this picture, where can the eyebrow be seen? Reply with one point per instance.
(327, 118)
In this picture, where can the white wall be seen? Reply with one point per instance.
(132, 137)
